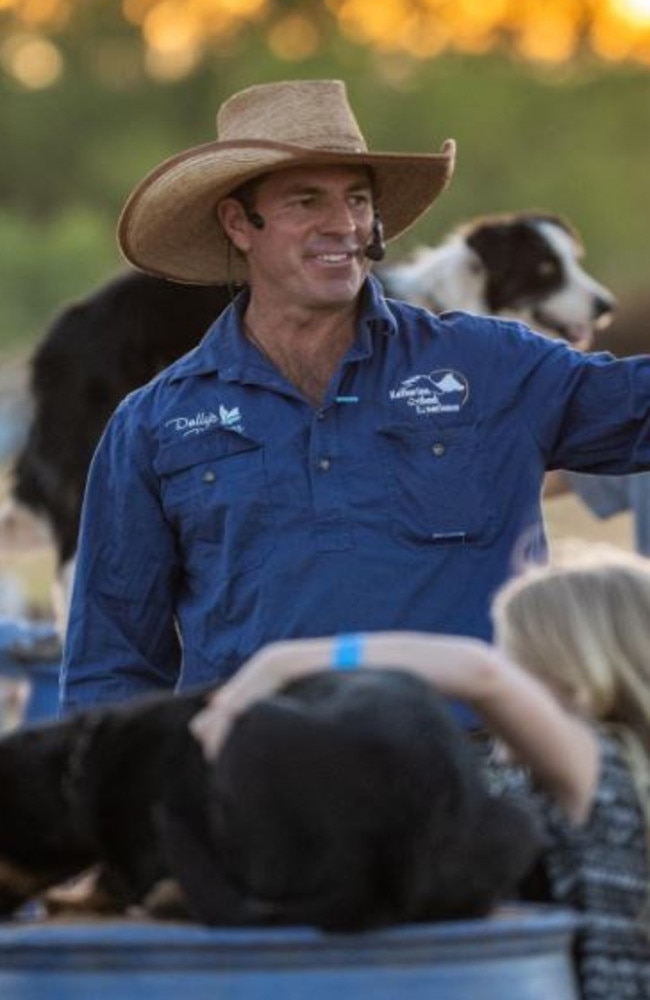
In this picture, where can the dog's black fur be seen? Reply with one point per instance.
(349, 800)
(363, 806)
(85, 791)
(95, 353)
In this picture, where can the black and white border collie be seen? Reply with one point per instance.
(522, 265)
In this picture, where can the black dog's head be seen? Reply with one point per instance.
(85, 791)
(347, 801)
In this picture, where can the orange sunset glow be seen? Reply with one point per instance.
(177, 33)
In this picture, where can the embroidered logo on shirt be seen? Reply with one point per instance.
(202, 421)
(230, 418)
(441, 391)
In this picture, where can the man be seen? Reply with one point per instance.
(326, 460)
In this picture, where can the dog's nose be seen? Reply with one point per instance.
(603, 306)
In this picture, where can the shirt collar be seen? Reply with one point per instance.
(225, 349)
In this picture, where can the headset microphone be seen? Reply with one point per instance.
(376, 249)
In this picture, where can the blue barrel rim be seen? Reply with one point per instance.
(129, 944)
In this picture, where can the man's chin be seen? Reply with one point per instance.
(338, 292)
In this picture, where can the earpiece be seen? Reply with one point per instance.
(376, 249)
(255, 219)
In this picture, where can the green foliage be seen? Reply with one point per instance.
(45, 263)
(579, 147)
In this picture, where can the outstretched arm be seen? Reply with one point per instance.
(559, 747)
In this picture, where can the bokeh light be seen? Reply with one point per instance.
(177, 34)
(32, 60)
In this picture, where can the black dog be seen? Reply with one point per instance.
(346, 801)
(86, 791)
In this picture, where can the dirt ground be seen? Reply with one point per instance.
(567, 517)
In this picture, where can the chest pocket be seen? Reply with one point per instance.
(437, 484)
(215, 492)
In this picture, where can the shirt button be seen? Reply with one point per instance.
(209, 476)
(324, 464)
(438, 449)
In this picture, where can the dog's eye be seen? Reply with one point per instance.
(547, 268)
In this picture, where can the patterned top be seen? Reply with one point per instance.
(600, 868)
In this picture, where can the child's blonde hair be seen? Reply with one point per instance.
(582, 624)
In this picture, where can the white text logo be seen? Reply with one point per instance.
(202, 421)
(442, 391)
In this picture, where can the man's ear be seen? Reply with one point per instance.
(232, 217)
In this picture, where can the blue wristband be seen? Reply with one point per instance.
(348, 652)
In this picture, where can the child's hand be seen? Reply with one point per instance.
(258, 678)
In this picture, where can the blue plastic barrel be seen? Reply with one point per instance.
(43, 700)
(522, 954)
(21, 658)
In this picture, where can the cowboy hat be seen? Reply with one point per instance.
(169, 225)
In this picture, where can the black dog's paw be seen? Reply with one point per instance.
(166, 901)
(83, 896)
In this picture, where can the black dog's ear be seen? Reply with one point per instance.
(210, 897)
(486, 863)
(506, 845)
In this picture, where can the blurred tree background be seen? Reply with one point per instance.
(549, 101)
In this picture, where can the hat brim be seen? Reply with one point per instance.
(169, 225)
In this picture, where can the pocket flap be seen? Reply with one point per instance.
(206, 447)
(422, 434)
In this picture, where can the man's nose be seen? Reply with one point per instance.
(339, 217)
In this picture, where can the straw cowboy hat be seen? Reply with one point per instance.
(169, 225)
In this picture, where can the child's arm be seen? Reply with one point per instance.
(558, 746)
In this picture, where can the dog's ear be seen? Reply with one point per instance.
(208, 894)
(502, 850)
(515, 254)
(485, 861)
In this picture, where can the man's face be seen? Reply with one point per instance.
(317, 223)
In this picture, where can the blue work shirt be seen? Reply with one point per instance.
(224, 511)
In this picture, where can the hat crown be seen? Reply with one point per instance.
(312, 114)
(170, 226)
